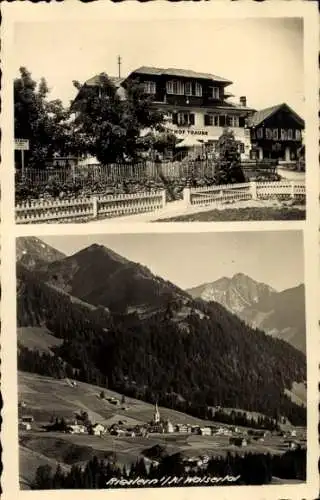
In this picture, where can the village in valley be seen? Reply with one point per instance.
(135, 430)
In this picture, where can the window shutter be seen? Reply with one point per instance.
(222, 121)
(206, 120)
(175, 118)
(191, 118)
(241, 121)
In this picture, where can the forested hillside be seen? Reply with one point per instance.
(208, 360)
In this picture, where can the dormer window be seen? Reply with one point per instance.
(150, 87)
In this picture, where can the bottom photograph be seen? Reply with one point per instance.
(163, 359)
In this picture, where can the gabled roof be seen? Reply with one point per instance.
(185, 73)
(95, 80)
(259, 116)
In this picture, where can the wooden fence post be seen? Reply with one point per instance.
(292, 189)
(187, 196)
(164, 201)
(253, 190)
(95, 207)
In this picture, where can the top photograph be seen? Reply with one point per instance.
(159, 121)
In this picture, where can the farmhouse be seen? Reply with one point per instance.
(25, 426)
(98, 429)
(205, 431)
(77, 429)
(27, 419)
(276, 133)
(168, 427)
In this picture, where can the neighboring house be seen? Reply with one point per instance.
(205, 431)
(98, 429)
(25, 426)
(276, 133)
(77, 429)
(27, 418)
(183, 428)
(169, 427)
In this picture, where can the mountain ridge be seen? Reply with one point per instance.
(281, 314)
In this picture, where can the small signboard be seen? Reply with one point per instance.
(21, 144)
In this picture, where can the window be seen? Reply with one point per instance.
(298, 135)
(283, 134)
(241, 147)
(175, 87)
(275, 134)
(185, 118)
(188, 88)
(150, 87)
(269, 133)
(260, 133)
(198, 89)
(234, 121)
(290, 134)
(169, 87)
(215, 92)
(208, 120)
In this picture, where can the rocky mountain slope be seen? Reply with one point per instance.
(280, 314)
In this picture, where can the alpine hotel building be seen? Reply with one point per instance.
(198, 105)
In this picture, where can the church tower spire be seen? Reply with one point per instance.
(156, 415)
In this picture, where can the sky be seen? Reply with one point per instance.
(262, 56)
(190, 259)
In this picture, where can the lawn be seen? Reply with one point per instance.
(241, 214)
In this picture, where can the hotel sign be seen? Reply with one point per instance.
(181, 131)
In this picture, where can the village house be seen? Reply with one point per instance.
(25, 426)
(205, 431)
(168, 427)
(276, 133)
(27, 419)
(183, 428)
(77, 429)
(98, 429)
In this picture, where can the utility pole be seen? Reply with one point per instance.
(119, 65)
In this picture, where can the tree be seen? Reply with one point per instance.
(109, 125)
(228, 162)
(45, 123)
(43, 478)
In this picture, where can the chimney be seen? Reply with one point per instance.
(243, 101)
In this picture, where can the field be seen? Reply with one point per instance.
(37, 338)
(45, 398)
(241, 214)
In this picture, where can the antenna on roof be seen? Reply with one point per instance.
(119, 65)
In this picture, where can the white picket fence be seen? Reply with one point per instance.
(230, 193)
(89, 208)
